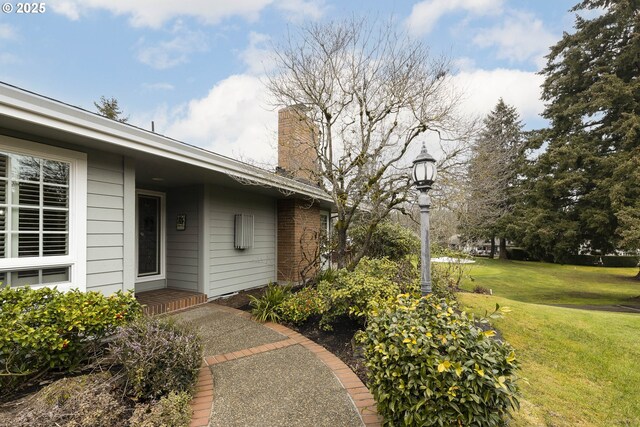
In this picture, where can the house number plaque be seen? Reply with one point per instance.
(181, 222)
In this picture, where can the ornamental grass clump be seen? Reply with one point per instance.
(266, 308)
(430, 365)
(158, 357)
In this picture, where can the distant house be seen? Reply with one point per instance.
(91, 203)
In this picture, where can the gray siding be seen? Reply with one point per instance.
(105, 217)
(230, 269)
(183, 246)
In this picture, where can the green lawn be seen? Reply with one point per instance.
(582, 367)
(544, 283)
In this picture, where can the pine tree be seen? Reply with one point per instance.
(109, 108)
(585, 186)
(497, 155)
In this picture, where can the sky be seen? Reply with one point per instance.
(195, 67)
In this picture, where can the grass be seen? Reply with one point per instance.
(544, 283)
(581, 366)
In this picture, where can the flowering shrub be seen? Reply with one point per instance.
(430, 365)
(298, 307)
(158, 357)
(44, 328)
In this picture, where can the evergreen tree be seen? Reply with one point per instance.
(584, 189)
(109, 108)
(497, 155)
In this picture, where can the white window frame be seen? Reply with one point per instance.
(163, 237)
(76, 259)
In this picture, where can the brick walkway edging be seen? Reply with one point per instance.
(362, 399)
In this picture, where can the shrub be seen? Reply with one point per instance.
(430, 365)
(518, 254)
(389, 239)
(265, 308)
(328, 274)
(620, 261)
(587, 260)
(158, 356)
(481, 290)
(352, 292)
(88, 400)
(44, 328)
(171, 410)
(298, 307)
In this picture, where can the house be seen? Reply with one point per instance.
(87, 202)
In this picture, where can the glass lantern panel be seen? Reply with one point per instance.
(419, 172)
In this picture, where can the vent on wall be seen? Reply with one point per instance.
(243, 231)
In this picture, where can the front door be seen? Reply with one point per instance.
(150, 235)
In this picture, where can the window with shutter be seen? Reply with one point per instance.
(35, 216)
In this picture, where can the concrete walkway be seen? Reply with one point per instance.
(268, 375)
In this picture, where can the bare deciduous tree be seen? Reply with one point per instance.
(369, 92)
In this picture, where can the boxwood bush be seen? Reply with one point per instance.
(44, 328)
(430, 365)
(158, 356)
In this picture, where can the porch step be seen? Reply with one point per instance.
(167, 300)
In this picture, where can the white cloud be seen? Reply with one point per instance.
(153, 13)
(425, 14)
(172, 52)
(257, 56)
(232, 119)
(521, 37)
(483, 88)
(298, 10)
(158, 86)
(7, 32)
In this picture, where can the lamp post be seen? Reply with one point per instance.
(424, 174)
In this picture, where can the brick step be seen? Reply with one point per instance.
(167, 300)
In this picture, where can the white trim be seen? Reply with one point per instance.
(129, 225)
(163, 237)
(22, 105)
(77, 237)
(204, 247)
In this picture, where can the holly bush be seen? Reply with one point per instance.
(44, 328)
(430, 365)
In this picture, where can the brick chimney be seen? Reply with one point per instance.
(297, 138)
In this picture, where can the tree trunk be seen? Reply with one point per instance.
(492, 253)
(342, 245)
(503, 248)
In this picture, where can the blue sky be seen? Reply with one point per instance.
(194, 66)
